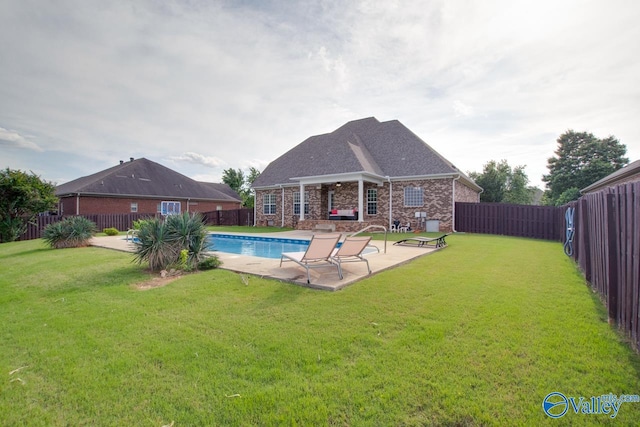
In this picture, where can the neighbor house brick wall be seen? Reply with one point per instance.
(108, 205)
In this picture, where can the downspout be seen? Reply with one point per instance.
(453, 204)
(390, 201)
(282, 208)
(360, 200)
(77, 203)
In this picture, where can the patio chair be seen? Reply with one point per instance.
(318, 254)
(404, 228)
(351, 251)
(438, 242)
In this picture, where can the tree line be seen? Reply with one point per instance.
(580, 160)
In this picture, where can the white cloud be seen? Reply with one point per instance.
(14, 139)
(462, 109)
(199, 159)
(214, 84)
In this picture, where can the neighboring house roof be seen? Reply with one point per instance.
(621, 175)
(382, 149)
(144, 178)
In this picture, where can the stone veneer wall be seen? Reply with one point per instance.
(465, 194)
(437, 194)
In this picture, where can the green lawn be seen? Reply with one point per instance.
(476, 334)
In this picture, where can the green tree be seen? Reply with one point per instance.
(503, 184)
(22, 197)
(580, 160)
(241, 183)
(234, 178)
(250, 196)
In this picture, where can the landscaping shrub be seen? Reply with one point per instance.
(161, 242)
(72, 232)
(111, 231)
(209, 263)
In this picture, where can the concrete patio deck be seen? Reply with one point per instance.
(321, 278)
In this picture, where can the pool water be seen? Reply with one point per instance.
(263, 247)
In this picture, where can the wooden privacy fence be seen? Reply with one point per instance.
(229, 217)
(121, 222)
(606, 246)
(538, 222)
(124, 222)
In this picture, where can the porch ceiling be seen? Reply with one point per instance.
(346, 177)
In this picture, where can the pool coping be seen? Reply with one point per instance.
(321, 278)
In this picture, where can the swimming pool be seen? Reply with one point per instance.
(263, 247)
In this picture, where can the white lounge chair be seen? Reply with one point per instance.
(351, 251)
(318, 254)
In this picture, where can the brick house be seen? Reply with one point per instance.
(364, 173)
(629, 173)
(142, 186)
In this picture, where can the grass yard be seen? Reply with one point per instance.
(476, 334)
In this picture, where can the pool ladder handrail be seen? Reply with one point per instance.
(378, 227)
(131, 234)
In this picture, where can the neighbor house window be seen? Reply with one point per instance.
(269, 204)
(372, 201)
(170, 208)
(134, 207)
(296, 203)
(413, 196)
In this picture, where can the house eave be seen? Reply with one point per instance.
(340, 177)
(366, 176)
(608, 181)
(462, 177)
(141, 196)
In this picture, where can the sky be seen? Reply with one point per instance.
(203, 86)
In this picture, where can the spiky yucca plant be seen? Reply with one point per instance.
(72, 232)
(161, 241)
(190, 234)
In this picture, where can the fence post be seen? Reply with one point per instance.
(586, 239)
(612, 252)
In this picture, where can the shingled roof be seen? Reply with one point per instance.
(625, 174)
(144, 178)
(385, 149)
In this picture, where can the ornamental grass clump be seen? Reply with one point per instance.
(72, 232)
(177, 241)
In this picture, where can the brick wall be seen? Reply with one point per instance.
(465, 194)
(437, 202)
(108, 205)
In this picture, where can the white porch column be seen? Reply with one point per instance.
(360, 199)
(301, 201)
